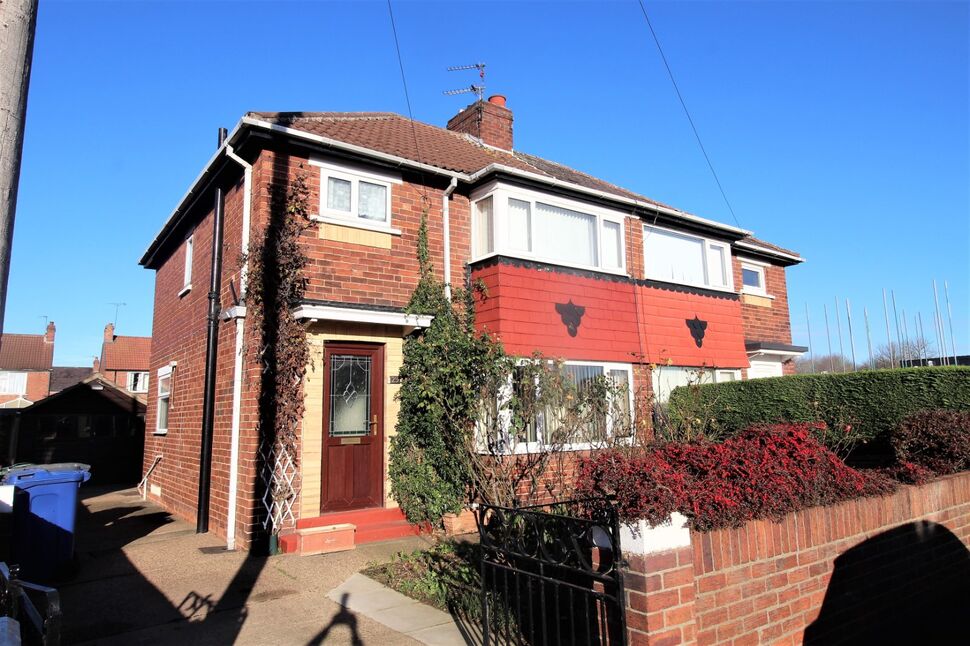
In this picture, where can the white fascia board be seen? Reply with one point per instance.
(773, 353)
(354, 315)
(768, 252)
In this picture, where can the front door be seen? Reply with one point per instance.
(353, 427)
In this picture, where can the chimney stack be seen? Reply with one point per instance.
(49, 333)
(96, 365)
(109, 332)
(490, 121)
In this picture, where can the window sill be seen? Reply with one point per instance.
(185, 290)
(751, 292)
(355, 224)
(160, 433)
(546, 261)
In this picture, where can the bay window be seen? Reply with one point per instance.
(676, 257)
(666, 378)
(528, 224)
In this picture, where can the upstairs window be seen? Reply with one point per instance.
(528, 224)
(187, 269)
(13, 383)
(355, 195)
(138, 382)
(676, 257)
(753, 279)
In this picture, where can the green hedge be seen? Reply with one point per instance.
(873, 401)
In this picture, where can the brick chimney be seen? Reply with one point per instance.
(489, 121)
(49, 333)
(96, 365)
(109, 332)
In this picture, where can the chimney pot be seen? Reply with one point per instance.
(497, 99)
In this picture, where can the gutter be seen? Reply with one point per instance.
(446, 234)
(769, 252)
(238, 312)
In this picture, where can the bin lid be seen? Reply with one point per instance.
(28, 475)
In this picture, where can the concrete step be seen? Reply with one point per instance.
(320, 540)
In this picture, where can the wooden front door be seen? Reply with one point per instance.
(353, 427)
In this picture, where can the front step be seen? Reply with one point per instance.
(372, 525)
(319, 540)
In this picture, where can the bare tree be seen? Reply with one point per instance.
(911, 350)
(823, 363)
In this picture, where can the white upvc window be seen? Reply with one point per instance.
(666, 378)
(13, 383)
(753, 278)
(354, 195)
(684, 258)
(137, 382)
(528, 224)
(187, 268)
(536, 435)
(164, 398)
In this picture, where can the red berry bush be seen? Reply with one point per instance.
(938, 440)
(765, 472)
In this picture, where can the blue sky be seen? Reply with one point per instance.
(838, 129)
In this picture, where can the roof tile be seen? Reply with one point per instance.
(26, 352)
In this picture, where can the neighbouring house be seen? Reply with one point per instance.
(92, 421)
(26, 361)
(125, 360)
(66, 376)
(577, 268)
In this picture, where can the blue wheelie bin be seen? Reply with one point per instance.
(44, 511)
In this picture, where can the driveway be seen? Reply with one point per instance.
(144, 577)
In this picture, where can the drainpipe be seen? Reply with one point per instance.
(237, 369)
(446, 234)
(211, 349)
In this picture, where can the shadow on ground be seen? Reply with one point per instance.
(909, 585)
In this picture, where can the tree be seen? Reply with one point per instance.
(912, 350)
(822, 363)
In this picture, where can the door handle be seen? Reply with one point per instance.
(373, 425)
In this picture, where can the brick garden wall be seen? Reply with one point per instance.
(766, 583)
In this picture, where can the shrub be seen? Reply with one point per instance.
(870, 403)
(765, 472)
(938, 440)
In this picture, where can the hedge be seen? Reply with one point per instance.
(870, 403)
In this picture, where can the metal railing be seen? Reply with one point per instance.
(36, 607)
(551, 574)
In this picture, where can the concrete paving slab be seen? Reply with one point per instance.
(411, 618)
(443, 635)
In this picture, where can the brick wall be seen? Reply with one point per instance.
(38, 387)
(766, 319)
(821, 575)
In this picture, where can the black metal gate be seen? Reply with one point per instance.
(551, 575)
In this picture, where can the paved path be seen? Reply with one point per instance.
(367, 597)
(146, 578)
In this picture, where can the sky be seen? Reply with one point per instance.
(839, 130)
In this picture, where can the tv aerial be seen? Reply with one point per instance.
(478, 89)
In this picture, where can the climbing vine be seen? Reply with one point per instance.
(276, 274)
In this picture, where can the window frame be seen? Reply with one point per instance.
(187, 264)
(519, 448)
(6, 375)
(131, 378)
(355, 175)
(707, 245)
(717, 376)
(762, 272)
(161, 374)
(502, 193)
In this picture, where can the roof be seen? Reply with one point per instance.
(63, 377)
(102, 387)
(26, 352)
(788, 256)
(404, 141)
(127, 353)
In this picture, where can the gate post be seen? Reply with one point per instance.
(659, 583)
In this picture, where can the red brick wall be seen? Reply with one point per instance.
(765, 583)
(767, 323)
(489, 122)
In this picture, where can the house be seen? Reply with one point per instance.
(125, 360)
(66, 376)
(613, 282)
(25, 367)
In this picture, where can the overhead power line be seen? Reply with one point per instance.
(690, 119)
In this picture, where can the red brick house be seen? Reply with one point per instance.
(26, 361)
(125, 361)
(578, 268)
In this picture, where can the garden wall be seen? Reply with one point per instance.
(865, 571)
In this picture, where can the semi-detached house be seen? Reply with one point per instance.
(576, 268)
